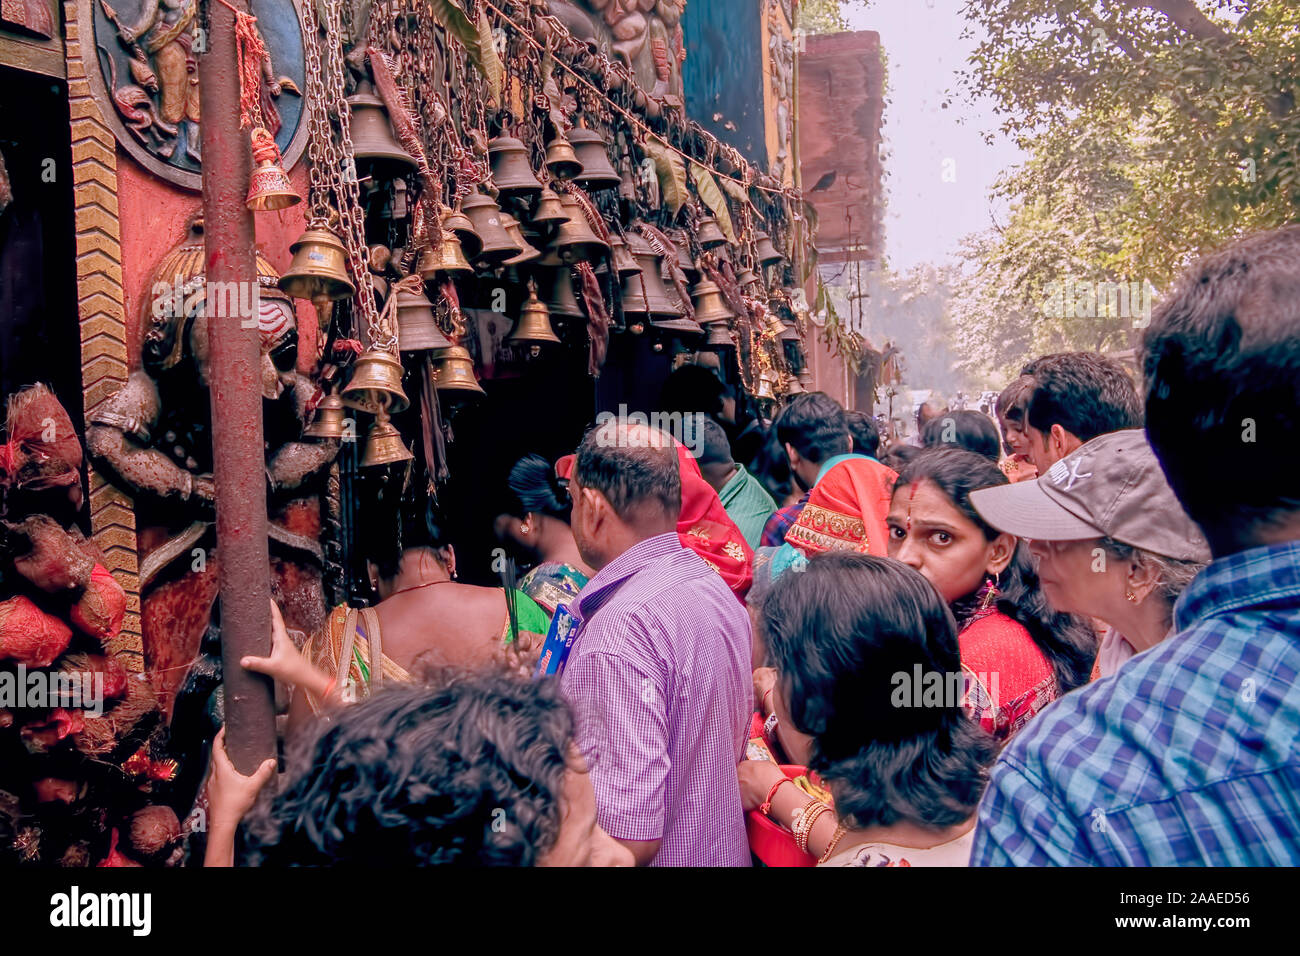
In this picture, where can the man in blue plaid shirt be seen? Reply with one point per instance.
(1190, 754)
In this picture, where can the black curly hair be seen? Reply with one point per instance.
(839, 633)
(1069, 643)
(465, 771)
(534, 489)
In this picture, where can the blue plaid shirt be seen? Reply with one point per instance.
(1190, 754)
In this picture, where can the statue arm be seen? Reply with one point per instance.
(119, 433)
(296, 461)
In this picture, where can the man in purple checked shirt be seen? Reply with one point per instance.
(659, 675)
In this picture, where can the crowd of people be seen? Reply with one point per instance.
(1067, 636)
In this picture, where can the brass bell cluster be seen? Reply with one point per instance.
(373, 143)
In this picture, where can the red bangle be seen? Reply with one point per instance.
(763, 702)
(766, 805)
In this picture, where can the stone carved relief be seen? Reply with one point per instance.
(781, 51)
(141, 57)
(644, 34)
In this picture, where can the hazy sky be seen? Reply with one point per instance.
(927, 216)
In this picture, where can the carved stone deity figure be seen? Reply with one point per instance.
(155, 436)
(645, 34)
(781, 50)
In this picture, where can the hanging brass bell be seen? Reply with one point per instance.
(561, 300)
(384, 444)
(719, 335)
(511, 171)
(561, 160)
(789, 332)
(678, 324)
(319, 267)
(453, 371)
(485, 214)
(644, 294)
(534, 325)
(417, 329)
(373, 142)
(624, 264)
(709, 234)
(516, 233)
(329, 419)
(376, 383)
(764, 251)
(459, 224)
(576, 242)
(747, 278)
(448, 259)
(710, 306)
(806, 378)
(793, 387)
(775, 327)
(268, 186)
(682, 246)
(767, 385)
(593, 153)
(550, 212)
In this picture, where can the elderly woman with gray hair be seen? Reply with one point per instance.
(1110, 539)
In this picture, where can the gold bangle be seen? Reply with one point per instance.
(835, 841)
(803, 826)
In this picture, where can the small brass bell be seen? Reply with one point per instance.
(458, 223)
(710, 306)
(447, 259)
(319, 267)
(268, 186)
(793, 387)
(644, 294)
(453, 370)
(593, 153)
(417, 329)
(790, 331)
(534, 325)
(767, 385)
(806, 378)
(561, 160)
(384, 444)
(775, 327)
(709, 233)
(373, 142)
(511, 171)
(498, 246)
(624, 264)
(516, 233)
(764, 251)
(576, 242)
(682, 246)
(719, 335)
(561, 300)
(747, 278)
(550, 212)
(329, 419)
(678, 325)
(376, 383)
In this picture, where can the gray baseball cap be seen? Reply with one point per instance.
(1109, 487)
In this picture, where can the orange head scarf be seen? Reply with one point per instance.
(846, 510)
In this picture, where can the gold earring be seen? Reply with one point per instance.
(525, 528)
(1129, 595)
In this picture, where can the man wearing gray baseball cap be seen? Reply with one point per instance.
(1111, 540)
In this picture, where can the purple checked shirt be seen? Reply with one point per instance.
(659, 678)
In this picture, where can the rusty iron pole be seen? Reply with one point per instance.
(239, 462)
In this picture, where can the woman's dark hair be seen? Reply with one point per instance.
(387, 532)
(840, 633)
(534, 489)
(899, 455)
(966, 429)
(1069, 643)
(465, 772)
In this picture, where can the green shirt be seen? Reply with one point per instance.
(748, 504)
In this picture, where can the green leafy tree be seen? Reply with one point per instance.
(1155, 131)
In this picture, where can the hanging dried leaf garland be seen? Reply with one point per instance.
(671, 172)
(708, 190)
